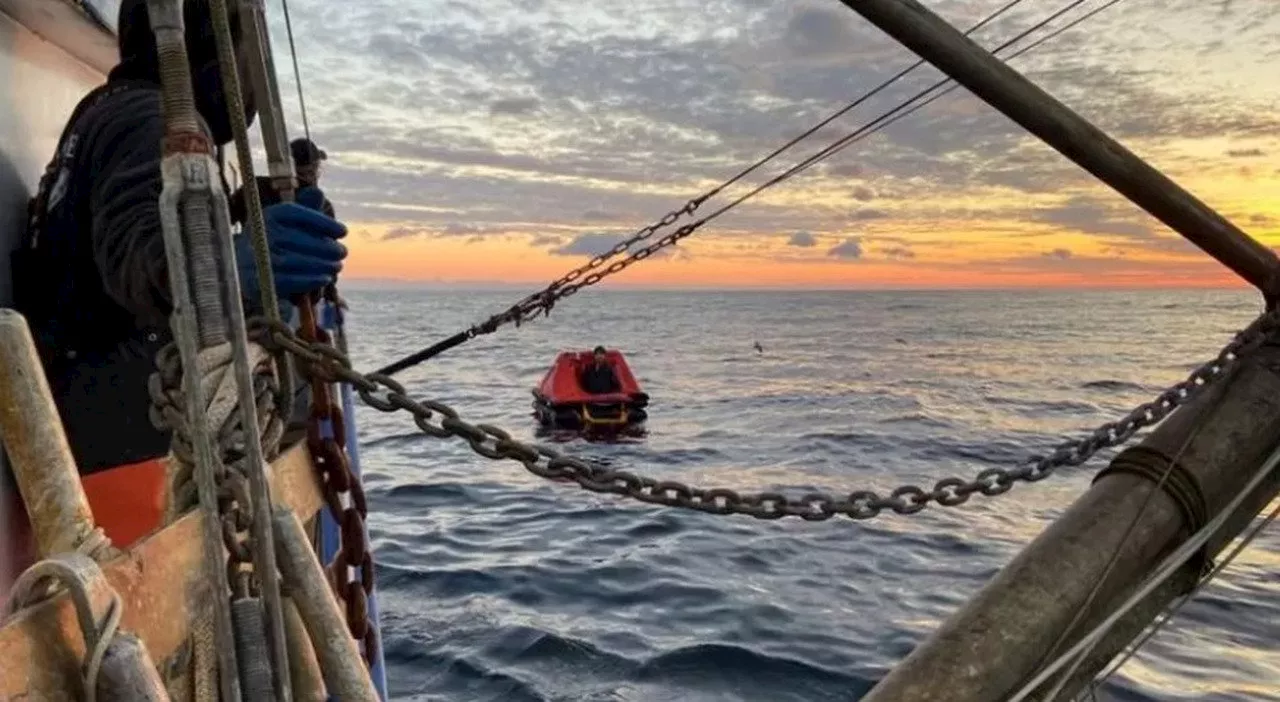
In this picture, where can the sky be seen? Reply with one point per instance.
(507, 141)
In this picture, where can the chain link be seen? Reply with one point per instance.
(333, 470)
(235, 504)
(544, 300)
(385, 394)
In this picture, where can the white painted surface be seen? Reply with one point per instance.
(40, 84)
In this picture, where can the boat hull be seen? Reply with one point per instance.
(165, 590)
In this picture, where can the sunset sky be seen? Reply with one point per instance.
(505, 140)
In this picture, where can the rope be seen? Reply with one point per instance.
(1171, 565)
(558, 289)
(215, 366)
(297, 74)
(254, 218)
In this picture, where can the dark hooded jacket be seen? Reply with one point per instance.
(94, 282)
(599, 380)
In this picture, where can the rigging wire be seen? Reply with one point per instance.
(905, 108)
(1173, 611)
(297, 73)
(564, 286)
(844, 110)
(1171, 564)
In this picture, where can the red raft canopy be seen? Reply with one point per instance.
(561, 403)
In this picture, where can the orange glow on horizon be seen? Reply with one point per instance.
(975, 238)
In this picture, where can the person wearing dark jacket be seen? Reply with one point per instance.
(599, 378)
(306, 162)
(96, 291)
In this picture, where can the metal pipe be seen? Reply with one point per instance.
(1008, 630)
(344, 672)
(31, 432)
(275, 138)
(922, 31)
(128, 673)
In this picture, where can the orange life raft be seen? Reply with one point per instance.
(561, 404)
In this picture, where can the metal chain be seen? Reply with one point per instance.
(333, 470)
(385, 394)
(542, 301)
(235, 503)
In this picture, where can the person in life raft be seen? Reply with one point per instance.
(599, 377)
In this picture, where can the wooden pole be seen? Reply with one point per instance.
(1029, 611)
(922, 31)
(32, 435)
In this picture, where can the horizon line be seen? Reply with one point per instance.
(463, 285)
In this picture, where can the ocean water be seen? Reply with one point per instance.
(497, 585)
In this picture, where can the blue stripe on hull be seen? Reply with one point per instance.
(330, 536)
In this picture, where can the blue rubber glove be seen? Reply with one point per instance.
(305, 253)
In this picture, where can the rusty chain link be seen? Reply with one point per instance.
(333, 471)
(385, 394)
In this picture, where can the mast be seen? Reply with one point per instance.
(1207, 457)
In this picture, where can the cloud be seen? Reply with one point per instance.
(545, 240)
(451, 229)
(513, 106)
(897, 253)
(802, 239)
(403, 233)
(819, 32)
(867, 214)
(1059, 254)
(844, 170)
(462, 118)
(598, 244)
(1091, 215)
(850, 249)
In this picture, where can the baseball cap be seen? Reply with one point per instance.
(305, 152)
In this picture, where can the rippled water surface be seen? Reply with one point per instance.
(499, 586)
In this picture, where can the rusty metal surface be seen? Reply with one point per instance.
(32, 435)
(304, 667)
(345, 675)
(161, 582)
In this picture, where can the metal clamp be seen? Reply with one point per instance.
(98, 607)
